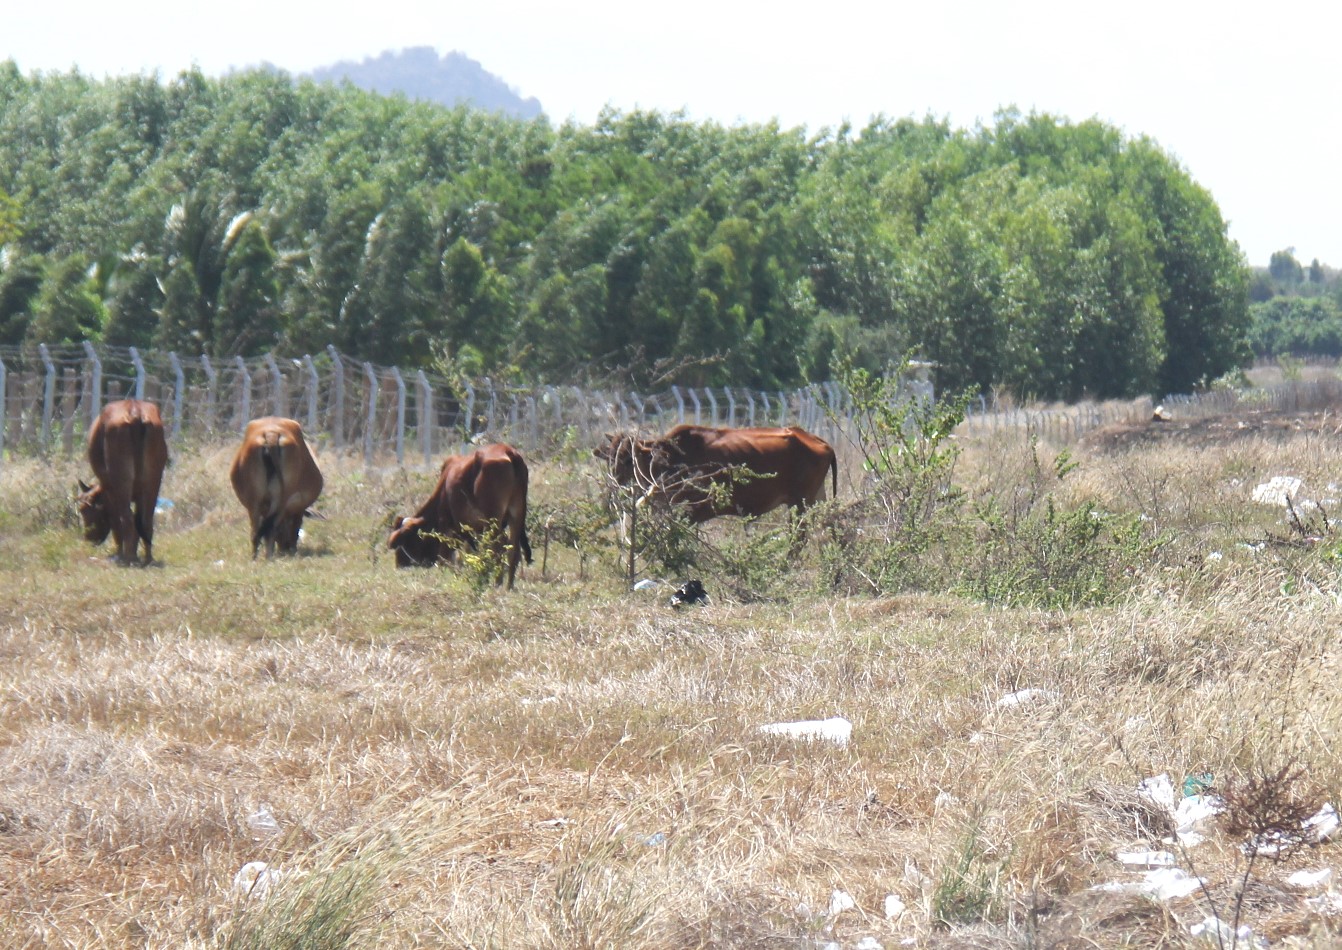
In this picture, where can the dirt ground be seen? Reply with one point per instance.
(1209, 431)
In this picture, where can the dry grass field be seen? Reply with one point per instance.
(426, 763)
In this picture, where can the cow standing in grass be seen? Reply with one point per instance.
(128, 452)
(277, 481)
(483, 494)
(712, 472)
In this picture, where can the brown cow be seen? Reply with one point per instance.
(128, 452)
(693, 466)
(487, 488)
(276, 479)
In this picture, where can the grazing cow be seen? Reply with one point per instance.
(693, 467)
(474, 492)
(127, 452)
(277, 480)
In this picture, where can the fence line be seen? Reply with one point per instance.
(50, 395)
(1070, 423)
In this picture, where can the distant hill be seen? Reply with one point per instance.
(420, 73)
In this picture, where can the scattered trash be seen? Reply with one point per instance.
(164, 506)
(1026, 697)
(894, 907)
(1160, 414)
(1150, 859)
(944, 799)
(255, 879)
(868, 943)
(653, 840)
(1278, 490)
(1324, 824)
(837, 729)
(1218, 932)
(1199, 783)
(552, 823)
(1162, 884)
(1189, 814)
(1215, 556)
(691, 592)
(1310, 878)
(647, 584)
(840, 901)
(262, 821)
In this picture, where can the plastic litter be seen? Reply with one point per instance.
(894, 907)
(1149, 859)
(1221, 934)
(1310, 878)
(690, 592)
(840, 901)
(1162, 884)
(163, 506)
(1189, 813)
(655, 839)
(837, 729)
(1026, 697)
(262, 821)
(255, 879)
(647, 584)
(868, 943)
(1276, 491)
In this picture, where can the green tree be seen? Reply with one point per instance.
(247, 321)
(67, 308)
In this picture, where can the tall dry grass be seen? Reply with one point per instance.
(571, 765)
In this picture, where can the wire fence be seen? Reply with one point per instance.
(50, 395)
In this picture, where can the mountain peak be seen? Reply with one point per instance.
(418, 72)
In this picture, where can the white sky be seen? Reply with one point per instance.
(1243, 95)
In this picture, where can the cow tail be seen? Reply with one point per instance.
(270, 462)
(523, 477)
(834, 470)
(139, 434)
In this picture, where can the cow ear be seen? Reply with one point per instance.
(396, 525)
(83, 489)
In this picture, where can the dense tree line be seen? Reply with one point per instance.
(1295, 310)
(255, 212)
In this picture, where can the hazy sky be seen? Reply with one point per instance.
(1244, 96)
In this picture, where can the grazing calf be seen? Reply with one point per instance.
(277, 481)
(487, 488)
(127, 452)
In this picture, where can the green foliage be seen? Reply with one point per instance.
(239, 214)
(1296, 326)
(968, 890)
(1031, 550)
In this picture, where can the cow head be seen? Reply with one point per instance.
(92, 504)
(619, 453)
(412, 548)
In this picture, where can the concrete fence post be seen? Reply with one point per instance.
(139, 372)
(713, 404)
(95, 382)
(371, 422)
(400, 415)
(313, 383)
(425, 416)
(48, 395)
(338, 408)
(244, 394)
(211, 391)
(179, 386)
(278, 399)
